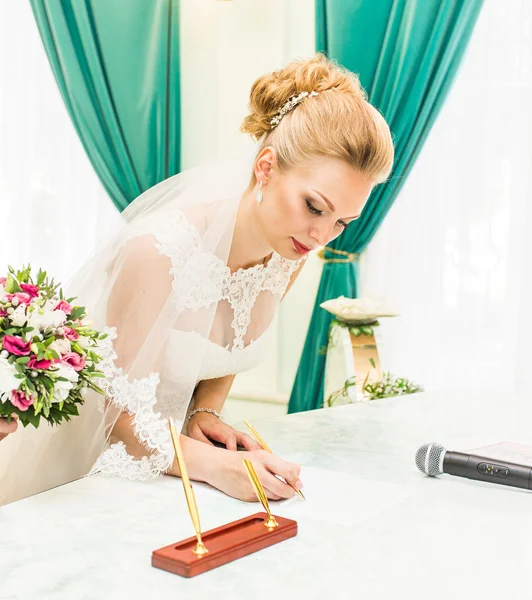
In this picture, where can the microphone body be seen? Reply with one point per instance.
(433, 459)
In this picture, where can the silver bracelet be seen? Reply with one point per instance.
(207, 410)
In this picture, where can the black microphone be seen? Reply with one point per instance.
(433, 459)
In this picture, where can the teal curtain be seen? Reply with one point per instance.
(406, 53)
(116, 64)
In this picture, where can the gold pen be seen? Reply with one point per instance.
(264, 446)
(200, 549)
(270, 523)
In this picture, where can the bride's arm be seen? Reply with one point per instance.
(212, 393)
(201, 459)
(223, 469)
(205, 426)
(137, 302)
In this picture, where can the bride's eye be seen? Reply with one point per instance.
(343, 224)
(312, 208)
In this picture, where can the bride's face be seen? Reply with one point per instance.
(308, 207)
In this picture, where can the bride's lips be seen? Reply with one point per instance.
(300, 248)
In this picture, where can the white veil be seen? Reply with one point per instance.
(162, 286)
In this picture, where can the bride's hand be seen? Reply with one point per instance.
(206, 427)
(7, 428)
(233, 480)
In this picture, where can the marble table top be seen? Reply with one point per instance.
(372, 526)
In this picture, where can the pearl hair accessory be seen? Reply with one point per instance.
(288, 106)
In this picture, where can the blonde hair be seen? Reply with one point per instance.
(339, 122)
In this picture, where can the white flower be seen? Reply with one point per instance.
(61, 346)
(62, 388)
(8, 381)
(61, 391)
(47, 319)
(49, 305)
(83, 341)
(19, 318)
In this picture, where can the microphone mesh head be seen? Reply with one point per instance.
(428, 459)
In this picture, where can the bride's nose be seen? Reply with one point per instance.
(322, 233)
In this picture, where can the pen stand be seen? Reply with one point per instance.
(225, 544)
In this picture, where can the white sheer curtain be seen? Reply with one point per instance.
(454, 254)
(53, 206)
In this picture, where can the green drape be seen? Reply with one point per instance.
(116, 64)
(406, 53)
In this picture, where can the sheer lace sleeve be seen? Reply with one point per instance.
(137, 316)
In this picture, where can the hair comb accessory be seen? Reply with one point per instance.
(290, 105)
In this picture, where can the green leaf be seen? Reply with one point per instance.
(47, 383)
(77, 348)
(96, 389)
(29, 417)
(23, 360)
(12, 285)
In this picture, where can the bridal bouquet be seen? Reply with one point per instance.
(48, 353)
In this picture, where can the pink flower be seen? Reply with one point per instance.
(76, 361)
(39, 364)
(20, 400)
(32, 290)
(3, 313)
(71, 334)
(22, 297)
(3, 281)
(16, 345)
(64, 306)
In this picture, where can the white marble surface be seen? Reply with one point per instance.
(374, 527)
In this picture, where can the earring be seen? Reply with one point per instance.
(259, 193)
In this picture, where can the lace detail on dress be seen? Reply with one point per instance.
(197, 276)
(278, 276)
(137, 398)
(116, 461)
(201, 278)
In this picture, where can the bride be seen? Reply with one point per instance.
(190, 284)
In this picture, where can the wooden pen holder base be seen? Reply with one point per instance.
(224, 544)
